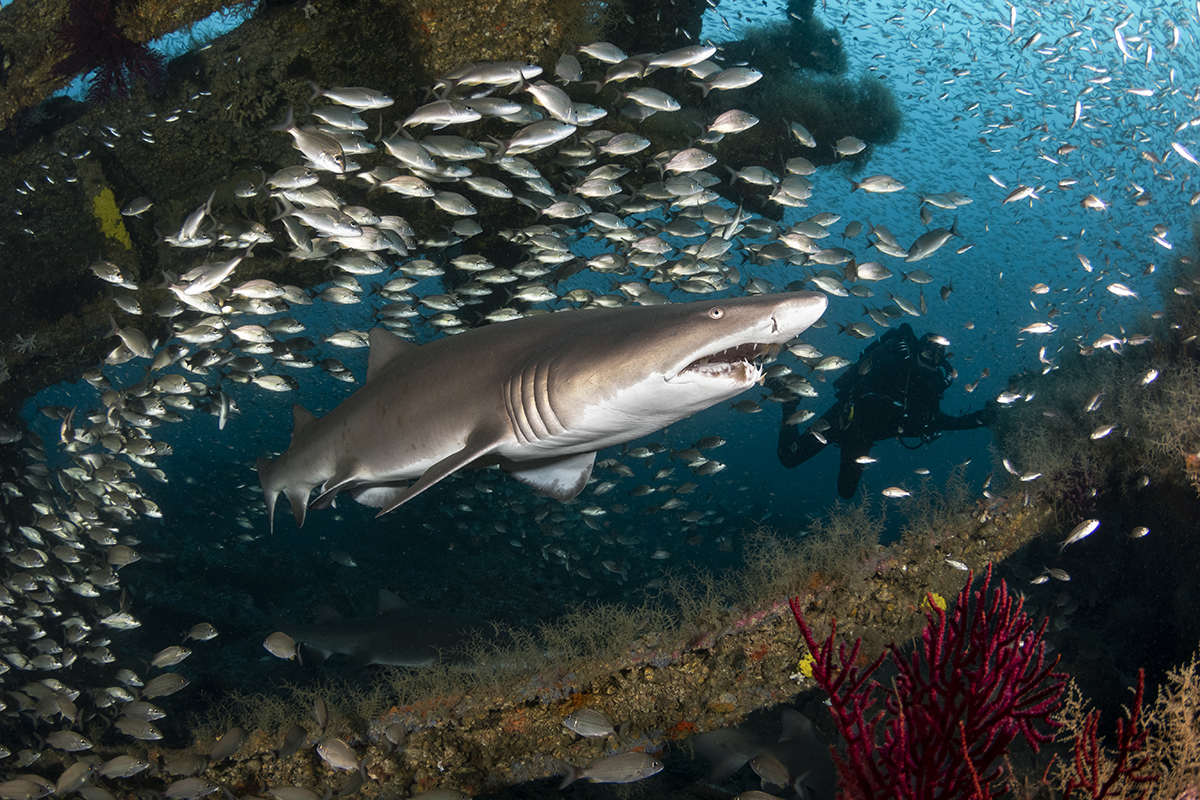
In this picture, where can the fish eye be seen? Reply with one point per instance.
(716, 313)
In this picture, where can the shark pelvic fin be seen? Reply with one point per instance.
(343, 480)
(561, 478)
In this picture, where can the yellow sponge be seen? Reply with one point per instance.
(104, 206)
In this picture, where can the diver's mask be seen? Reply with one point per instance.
(931, 355)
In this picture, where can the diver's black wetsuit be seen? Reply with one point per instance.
(895, 389)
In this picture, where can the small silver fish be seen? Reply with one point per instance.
(623, 768)
(849, 146)
(123, 766)
(355, 97)
(166, 684)
(589, 722)
(1081, 531)
(170, 656)
(136, 728)
(878, 184)
(338, 754)
(770, 770)
(280, 645)
(320, 148)
(190, 789)
(228, 745)
(202, 632)
(137, 206)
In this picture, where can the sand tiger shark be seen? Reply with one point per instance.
(538, 396)
(397, 636)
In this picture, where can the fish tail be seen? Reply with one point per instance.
(288, 122)
(570, 774)
(283, 209)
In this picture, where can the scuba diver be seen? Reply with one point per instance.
(895, 389)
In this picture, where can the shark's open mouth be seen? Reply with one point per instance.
(732, 358)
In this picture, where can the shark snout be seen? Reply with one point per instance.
(798, 313)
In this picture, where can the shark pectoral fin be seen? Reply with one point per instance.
(442, 469)
(562, 478)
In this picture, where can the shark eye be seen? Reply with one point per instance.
(716, 313)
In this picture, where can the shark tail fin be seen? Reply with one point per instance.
(299, 499)
(273, 486)
(273, 483)
(270, 490)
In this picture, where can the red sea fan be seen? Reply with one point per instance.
(1095, 774)
(97, 43)
(976, 681)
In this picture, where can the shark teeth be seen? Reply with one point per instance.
(732, 357)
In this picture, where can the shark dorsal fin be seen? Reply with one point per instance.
(385, 347)
(326, 613)
(389, 601)
(302, 419)
(796, 726)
